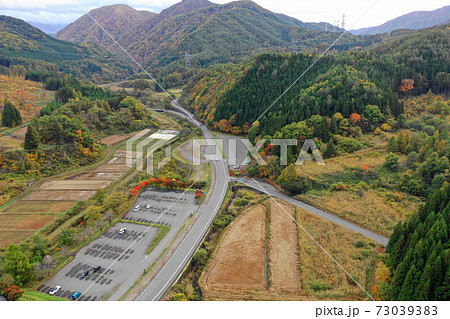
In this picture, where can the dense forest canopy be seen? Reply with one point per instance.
(344, 83)
(419, 253)
(23, 44)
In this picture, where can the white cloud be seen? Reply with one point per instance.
(65, 11)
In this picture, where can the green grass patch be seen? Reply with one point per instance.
(162, 232)
(31, 295)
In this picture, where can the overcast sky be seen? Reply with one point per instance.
(66, 11)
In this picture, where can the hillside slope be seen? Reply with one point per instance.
(212, 33)
(344, 83)
(116, 19)
(21, 43)
(414, 20)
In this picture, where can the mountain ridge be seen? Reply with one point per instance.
(116, 19)
(414, 20)
(212, 33)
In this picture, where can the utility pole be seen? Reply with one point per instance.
(343, 21)
(294, 46)
(187, 56)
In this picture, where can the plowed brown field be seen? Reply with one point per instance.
(38, 207)
(64, 195)
(283, 247)
(239, 260)
(298, 269)
(24, 222)
(114, 139)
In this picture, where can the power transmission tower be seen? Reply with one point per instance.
(343, 21)
(294, 46)
(187, 56)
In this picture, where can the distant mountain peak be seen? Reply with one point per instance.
(414, 20)
(117, 19)
(186, 6)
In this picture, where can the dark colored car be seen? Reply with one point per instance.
(76, 295)
(84, 274)
(96, 269)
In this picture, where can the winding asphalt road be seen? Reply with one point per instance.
(174, 267)
(182, 255)
(273, 191)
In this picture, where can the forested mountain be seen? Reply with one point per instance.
(116, 19)
(23, 44)
(344, 83)
(419, 251)
(211, 33)
(414, 20)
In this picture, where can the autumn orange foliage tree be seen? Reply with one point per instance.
(355, 117)
(13, 293)
(382, 278)
(407, 86)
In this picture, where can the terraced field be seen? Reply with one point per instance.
(23, 218)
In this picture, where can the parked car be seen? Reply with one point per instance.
(122, 231)
(55, 290)
(148, 206)
(236, 167)
(96, 269)
(85, 274)
(137, 208)
(76, 295)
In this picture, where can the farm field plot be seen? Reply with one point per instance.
(111, 168)
(283, 247)
(238, 264)
(297, 269)
(114, 139)
(74, 185)
(95, 176)
(59, 195)
(38, 207)
(24, 222)
(8, 237)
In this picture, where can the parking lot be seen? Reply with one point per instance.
(167, 207)
(122, 257)
(103, 251)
